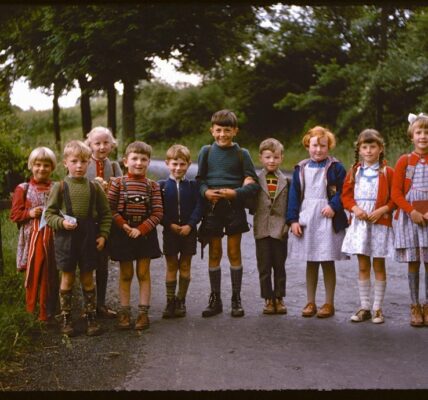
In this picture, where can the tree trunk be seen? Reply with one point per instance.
(111, 107)
(55, 116)
(85, 106)
(128, 112)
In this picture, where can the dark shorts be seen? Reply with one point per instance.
(174, 244)
(123, 248)
(77, 247)
(226, 218)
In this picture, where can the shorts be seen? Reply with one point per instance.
(77, 247)
(174, 244)
(226, 217)
(123, 248)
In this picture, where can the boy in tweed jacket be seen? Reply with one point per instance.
(270, 229)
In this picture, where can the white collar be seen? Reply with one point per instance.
(374, 167)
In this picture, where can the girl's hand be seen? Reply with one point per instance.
(376, 214)
(127, 229)
(134, 233)
(101, 241)
(359, 213)
(69, 226)
(36, 212)
(296, 229)
(327, 212)
(418, 218)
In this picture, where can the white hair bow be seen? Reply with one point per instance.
(412, 117)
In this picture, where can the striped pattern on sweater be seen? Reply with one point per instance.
(136, 186)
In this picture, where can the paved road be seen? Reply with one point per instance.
(279, 352)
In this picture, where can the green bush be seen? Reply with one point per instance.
(15, 323)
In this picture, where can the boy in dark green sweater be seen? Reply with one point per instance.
(227, 177)
(79, 213)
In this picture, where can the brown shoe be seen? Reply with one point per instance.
(106, 312)
(93, 328)
(280, 306)
(416, 316)
(124, 319)
(310, 310)
(326, 311)
(425, 314)
(269, 307)
(142, 321)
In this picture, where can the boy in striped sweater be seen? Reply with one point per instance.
(136, 205)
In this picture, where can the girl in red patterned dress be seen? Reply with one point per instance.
(35, 254)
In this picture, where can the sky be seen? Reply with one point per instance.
(26, 98)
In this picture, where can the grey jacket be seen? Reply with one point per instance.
(269, 217)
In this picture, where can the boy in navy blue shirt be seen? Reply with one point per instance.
(182, 204)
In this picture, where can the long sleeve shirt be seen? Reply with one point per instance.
(224, 167)
(125, 210)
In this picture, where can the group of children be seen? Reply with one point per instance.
(324, 214)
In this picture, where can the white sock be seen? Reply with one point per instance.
(379, 293)
(364, 289)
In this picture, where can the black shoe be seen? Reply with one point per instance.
(237, 310)
(215, 306)
(169, 311)
(180, 308)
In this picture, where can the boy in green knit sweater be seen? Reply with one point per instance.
(79, 213)
(227, 177)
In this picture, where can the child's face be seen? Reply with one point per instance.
(369, 152)
(318, 148)
(420, 140)
(137, 163)
(223, 135)
(101, 145)
(177, 167)
(76, 165)
(41, 170)
(271, 160)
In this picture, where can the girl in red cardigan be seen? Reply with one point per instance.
(366, 195)
(410, 193)
(35, 253)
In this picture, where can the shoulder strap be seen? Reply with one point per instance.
(91, 198)
(204, 165)
(25, 187)
(149, 195)
(64, 192)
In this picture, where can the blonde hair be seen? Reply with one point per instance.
(101, 129)
(178, 151)
(319, 132)
(138, 147)
(78, 148)
(421, 121)
(271, 144)
(42, 154)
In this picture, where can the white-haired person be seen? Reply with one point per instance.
(101, 169)
(35, 252)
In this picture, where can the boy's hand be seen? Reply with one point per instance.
(36, 212)
(418, 218)
(213, 195)
(101, 241)
(228, 194)
(327, 212)
(127, 229)
(185, 230)
(296, 229)
(359, 213)
(69, 226)
(175, 228)
(248, 180)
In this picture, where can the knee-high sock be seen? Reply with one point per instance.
(215, 278)
(414, 286)
(364, 290)
(379, 293)
(183, 285)
(236, 278)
